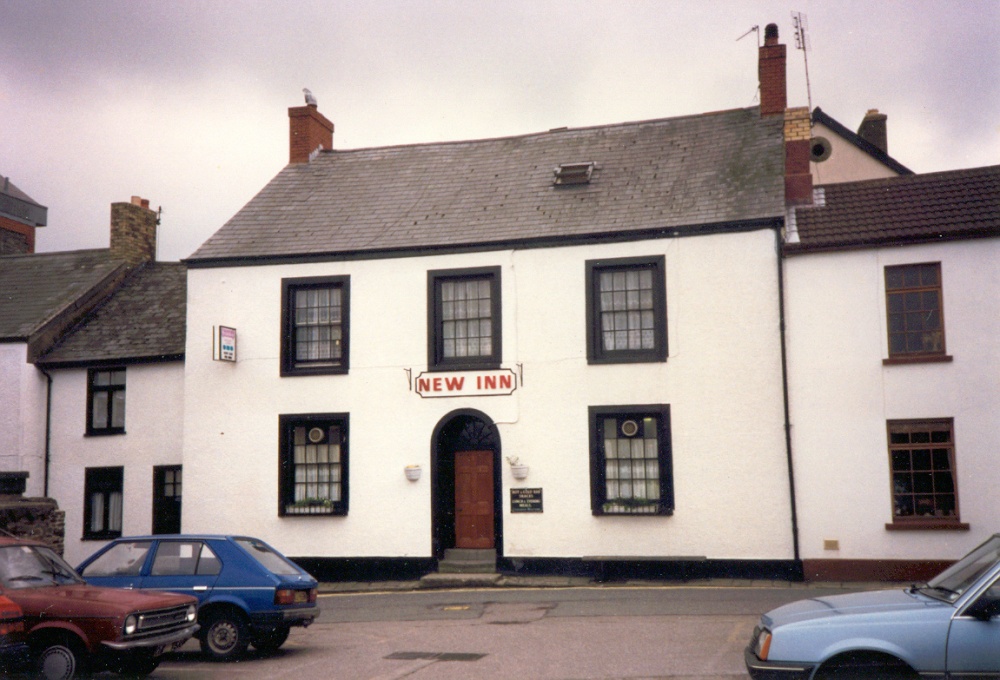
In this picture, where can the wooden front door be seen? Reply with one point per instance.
(474, 499)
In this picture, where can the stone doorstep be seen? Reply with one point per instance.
(460, 580)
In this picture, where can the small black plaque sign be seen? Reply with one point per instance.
(525, 500)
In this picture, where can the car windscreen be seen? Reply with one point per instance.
(31, 566)
(269, 559)
(957, 578)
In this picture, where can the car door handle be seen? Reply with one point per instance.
(200, 588)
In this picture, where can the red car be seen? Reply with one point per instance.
(73, 628)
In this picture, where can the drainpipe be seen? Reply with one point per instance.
(784, 387)
(48, 429)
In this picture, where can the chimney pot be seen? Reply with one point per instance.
(771, 73)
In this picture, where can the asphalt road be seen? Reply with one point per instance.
(594, 633)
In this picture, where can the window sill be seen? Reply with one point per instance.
(103, 433)
(923, 359)
(928, 525)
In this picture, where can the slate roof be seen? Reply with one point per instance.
(669, 174)
(956, 204)
(145, 319)
(35, 289)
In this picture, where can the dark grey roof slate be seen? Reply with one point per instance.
(662, 174)
(907, 209)
(144, 319)
(36, 288)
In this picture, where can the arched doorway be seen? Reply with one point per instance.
(465, 489)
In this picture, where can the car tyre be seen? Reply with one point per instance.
(224, 635)
(59, 659)
(268, 643)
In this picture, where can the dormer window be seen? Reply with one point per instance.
(573, 173)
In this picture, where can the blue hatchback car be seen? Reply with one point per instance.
(248, 592)
(946, 628)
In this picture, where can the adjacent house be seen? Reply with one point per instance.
(84, 337)
(894, 371)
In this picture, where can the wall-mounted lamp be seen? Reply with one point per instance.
(518, 469)
(412, 472)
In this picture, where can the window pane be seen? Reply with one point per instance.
(465, 325)
(317, 332)
(99, 420)
(118, 409)
(913, 307)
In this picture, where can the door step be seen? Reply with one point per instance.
(466, 561)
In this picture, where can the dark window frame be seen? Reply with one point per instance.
(107, 392)
(436, 361)
(289, 287)
(599, 503)
(106, 481)
(596, 353)
(902, 292)
(906, 466)
(286, 465)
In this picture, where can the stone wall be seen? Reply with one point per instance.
(39, 519)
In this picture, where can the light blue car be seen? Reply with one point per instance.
(248, 592)
(947, 628)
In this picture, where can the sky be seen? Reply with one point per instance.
(185, 102)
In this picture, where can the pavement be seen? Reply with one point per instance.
(465, 581)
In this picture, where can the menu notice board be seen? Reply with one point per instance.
(525, 500)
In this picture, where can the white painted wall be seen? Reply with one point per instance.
(841, 396)
(154, 398)
(847, 163)
(722, 381)
(22, 416)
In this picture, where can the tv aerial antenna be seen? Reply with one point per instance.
(801, 24)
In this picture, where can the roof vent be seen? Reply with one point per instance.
(573, 173)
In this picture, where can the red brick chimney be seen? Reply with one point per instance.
(771, 73)
(133, 231)
(309, 131)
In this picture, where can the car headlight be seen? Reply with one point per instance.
(192, 613)
(131, 623)
(763, 646)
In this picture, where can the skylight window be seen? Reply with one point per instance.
(573, 173)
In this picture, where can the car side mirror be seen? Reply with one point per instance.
(985, 608)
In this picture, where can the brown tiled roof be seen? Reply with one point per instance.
(670, 174)
(145, 319)
(35, 289)
(896, 210)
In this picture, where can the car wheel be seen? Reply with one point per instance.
(270, 642)
(224, 635)
(59, 660)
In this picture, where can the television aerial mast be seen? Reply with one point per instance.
(801, 24)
